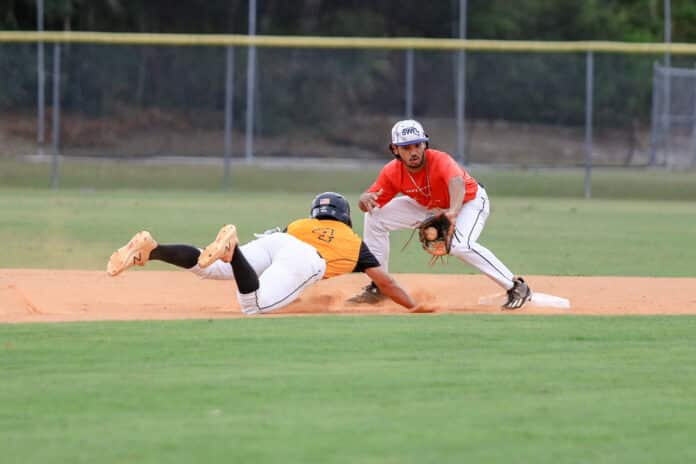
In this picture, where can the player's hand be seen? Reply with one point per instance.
(421, 308)
(368, 201)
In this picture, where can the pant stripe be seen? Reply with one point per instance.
(468, 241)
(473, 226)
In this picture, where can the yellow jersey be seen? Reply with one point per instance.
(335, 242)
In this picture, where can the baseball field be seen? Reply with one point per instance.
(158, 366)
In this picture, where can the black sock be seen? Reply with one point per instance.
(184, 256)
(244, 274)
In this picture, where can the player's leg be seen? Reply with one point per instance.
(470, 224)
(219, 254)
(295, 266)
(143, 248)
(399, 213)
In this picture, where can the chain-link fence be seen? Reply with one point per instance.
(152, 101)
(674, 117)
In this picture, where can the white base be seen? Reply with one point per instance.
(539, 300)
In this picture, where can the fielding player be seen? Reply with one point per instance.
(274, 269)
(431, 181)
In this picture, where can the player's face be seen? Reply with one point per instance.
(412, 155)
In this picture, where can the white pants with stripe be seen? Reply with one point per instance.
(284, 264)
(405, 213)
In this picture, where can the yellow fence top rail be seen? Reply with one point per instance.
(119, 38)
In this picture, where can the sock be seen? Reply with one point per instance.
(244, 274)
(184, 256)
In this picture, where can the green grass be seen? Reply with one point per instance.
(445, 388)
(627, 184)
(351, 389)
(532, 235)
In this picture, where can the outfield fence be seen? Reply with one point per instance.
(143, 96)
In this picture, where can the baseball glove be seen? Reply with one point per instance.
(435, 234)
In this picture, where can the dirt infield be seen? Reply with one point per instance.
(36, 295)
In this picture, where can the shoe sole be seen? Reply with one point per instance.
(222, 248)
(363, 299)
(135, 252)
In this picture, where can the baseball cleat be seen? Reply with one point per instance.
(222, 248)
(518, 295)
(370, 295)
(136, 251)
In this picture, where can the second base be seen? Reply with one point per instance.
(539, 300)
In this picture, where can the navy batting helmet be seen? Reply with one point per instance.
(331, 205)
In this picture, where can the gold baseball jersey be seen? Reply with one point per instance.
(335, 242)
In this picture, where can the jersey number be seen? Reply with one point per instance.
(325, 234)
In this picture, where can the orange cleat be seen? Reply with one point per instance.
(136, 251)
(222, 248)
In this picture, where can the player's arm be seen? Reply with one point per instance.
(368, 264)
(388, 286)
(378, 194)
(457, 192)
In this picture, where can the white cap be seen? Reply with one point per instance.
(407, 132)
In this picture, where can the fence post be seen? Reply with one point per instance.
(251, 78)
(41, 77)
(56, 115)
(229, 114)
(654, 114)
(666, 145)
(693, 121)
(409, 84)
(589, 90)
(461, 88)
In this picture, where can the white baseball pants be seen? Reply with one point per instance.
(284, 264)
(405, 213)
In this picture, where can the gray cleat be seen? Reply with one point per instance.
(369, 295)
(518, 295)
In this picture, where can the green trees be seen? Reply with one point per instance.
(622, 20)
(314, 88)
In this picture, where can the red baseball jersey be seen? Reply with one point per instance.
(429, 186)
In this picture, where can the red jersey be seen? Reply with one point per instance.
(429, 186)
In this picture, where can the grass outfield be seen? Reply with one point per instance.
(627, 184)
(555, 236)
(438, 388)
(351, 389)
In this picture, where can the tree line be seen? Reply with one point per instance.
(620, 20)
(508, 86)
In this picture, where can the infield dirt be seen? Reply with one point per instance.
(37, 295)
